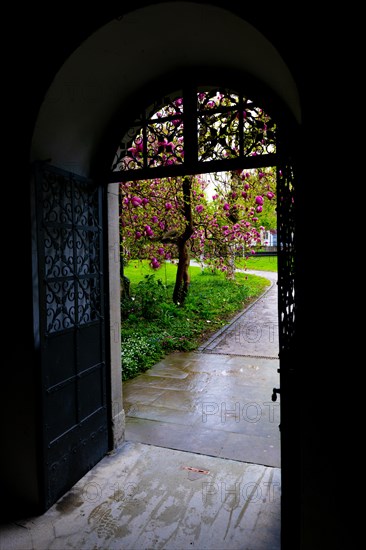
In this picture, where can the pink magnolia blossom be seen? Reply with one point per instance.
(226, 206)
(149, 232)
(154, 263)
(138, 234)
(270, 195)
(136, 201)
(137, 149)
(168, 206)
(199, 208)
(259, 208)
(161, 251)
(259, 200)
(154, 219)
(167, 145)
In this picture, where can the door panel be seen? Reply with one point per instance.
(287, 300)
(71, 327)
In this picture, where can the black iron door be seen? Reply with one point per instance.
(289, 367)
(71, 330)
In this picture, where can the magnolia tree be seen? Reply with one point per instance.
(210, 219)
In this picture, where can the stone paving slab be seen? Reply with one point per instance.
(221, 396)
(147, 497)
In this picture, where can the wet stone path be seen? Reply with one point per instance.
(253, 332)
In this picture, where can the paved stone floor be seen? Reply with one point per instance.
(146, 497)
(217, 405)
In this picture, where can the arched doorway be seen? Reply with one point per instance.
(219, 128)
(74, 119)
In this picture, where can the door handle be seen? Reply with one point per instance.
(275, 391)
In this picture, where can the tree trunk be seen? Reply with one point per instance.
(182, 279)
(230, 273)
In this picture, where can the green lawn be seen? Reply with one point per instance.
(153, 326)
(137, 269)
(259, 263)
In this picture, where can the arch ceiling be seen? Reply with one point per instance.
(123, 56)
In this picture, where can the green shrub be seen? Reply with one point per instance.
(149, 294)
(138, 354)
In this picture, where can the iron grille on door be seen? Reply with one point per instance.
(286, 246)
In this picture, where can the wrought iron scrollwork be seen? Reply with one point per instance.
(70, 232)
(155, 139)
(286, 246)
(218, 125)
(60, 305)
(231, 125)
(58, 247)
(227, 124)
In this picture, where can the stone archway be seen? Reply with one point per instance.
(116, 62)
(179, 115)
